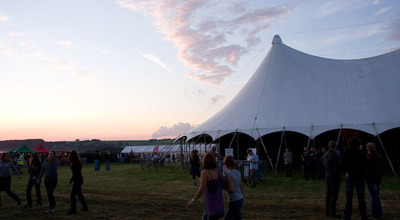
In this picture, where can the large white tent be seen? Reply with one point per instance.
(294, 91)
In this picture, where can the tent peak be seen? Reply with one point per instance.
(277, 40)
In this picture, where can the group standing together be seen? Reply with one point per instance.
(48, 169)
(360, 169)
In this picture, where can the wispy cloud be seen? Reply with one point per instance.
(28, 44)
(355, 34)
(64, 43)
(101, 51)
(332, 7)
(30, 55)
(394, 29)
(383, 10)
(16, 34)
(208, 35)
(153, 58)
(3, 17)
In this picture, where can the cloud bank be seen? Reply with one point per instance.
(173, 131)
(209, 35)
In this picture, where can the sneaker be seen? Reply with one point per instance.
(84, 209)
(50, 211)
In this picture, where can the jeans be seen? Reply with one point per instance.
(332, 194)
(50, 187)
(376, 205)
(31, 183)
(77, 191)
(359, 186)
(234, 210)
(108, 165)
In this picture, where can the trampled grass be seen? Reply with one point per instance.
(130, 192)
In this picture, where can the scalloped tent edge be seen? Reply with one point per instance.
(295, 91)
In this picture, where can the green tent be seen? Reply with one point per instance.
(24, 149)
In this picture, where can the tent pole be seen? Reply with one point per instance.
(205, 144)
(233, 138)
(237, 146)
(384, 150)
(309, 137)
(181, 155)
(265, 149)
(279, 151)
(340, 132)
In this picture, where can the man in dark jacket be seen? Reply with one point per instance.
(331, 161)
(354, 167)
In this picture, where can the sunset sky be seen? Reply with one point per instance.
(128, 70)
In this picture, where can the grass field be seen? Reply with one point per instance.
(128, 192)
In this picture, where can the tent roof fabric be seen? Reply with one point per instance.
(24, 149)
(294, 91)
(41, 149)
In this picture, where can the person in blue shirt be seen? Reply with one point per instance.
(252, 158)
(235, 189)
(49, 168)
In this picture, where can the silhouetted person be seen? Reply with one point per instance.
(354, 167)
(331, 161)
(373, 179)
(77, 180)
(35, 166)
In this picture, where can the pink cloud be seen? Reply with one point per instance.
(394, 29)
(211, 38)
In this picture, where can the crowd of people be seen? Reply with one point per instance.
(360, 166)
(47, 169)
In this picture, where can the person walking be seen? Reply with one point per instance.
(35, 166)
(373, 179)
(252, 158)
(5, 177)
(211, 186)
(49, 168)
(235, 190)
(331, 162)
(354, 163)
(288, 158)
(77, 180)
(195, 166)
